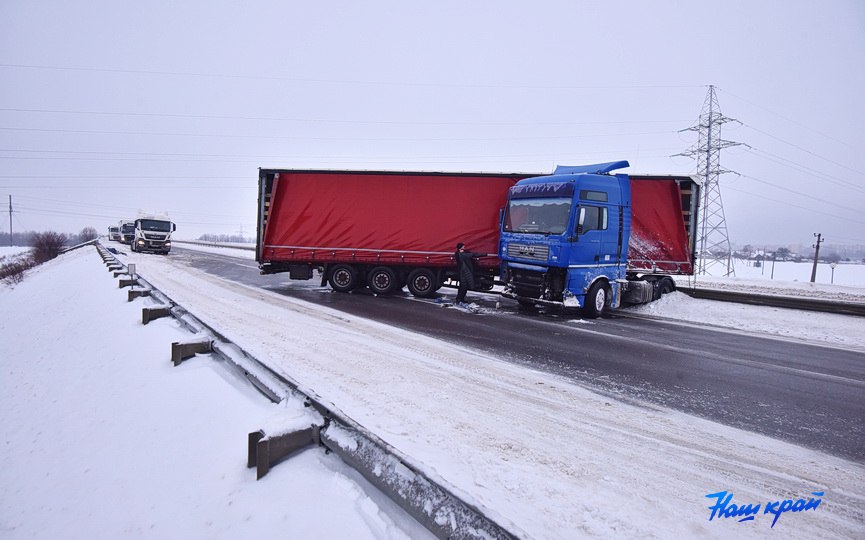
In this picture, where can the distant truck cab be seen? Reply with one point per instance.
(127, 230)
(114, 233)
(152, 233)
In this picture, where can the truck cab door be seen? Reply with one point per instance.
(591, 235)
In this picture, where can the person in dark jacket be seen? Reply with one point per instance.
(465, 270)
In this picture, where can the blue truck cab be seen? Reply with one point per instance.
(564, 238)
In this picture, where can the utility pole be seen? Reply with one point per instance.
(712, 241)
(10, 220)
(820, 240)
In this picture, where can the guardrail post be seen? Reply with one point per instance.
(152, 313)
(181, 350)
(128, 283)
(137, 293)
(265, 451)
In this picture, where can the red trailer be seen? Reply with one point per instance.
(379, 229)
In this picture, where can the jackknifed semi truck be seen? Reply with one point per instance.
(581, 237)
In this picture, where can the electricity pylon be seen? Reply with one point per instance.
(713, 242)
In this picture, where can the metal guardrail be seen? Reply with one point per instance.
(431, 503)
(771, 300)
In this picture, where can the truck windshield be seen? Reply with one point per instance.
(548, 215)
(128, 228)
(154, 225)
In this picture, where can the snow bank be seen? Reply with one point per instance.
(104, 438)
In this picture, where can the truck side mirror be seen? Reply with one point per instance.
(581, 218)
(173, 227)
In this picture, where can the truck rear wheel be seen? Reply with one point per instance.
(422, 282)
(665, 286)
(597, 300)
(382, 280)
(343, 278)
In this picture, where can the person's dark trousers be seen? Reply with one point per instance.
(461, 293)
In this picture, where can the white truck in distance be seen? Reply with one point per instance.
(153, 233)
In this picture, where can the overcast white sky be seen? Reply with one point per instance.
(110, 107)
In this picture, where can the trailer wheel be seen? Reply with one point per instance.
(422, 283)
(597, 300)
(343, 278)
(382, 280)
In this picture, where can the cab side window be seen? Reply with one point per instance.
(591, 218)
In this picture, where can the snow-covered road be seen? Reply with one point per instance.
(544, 457)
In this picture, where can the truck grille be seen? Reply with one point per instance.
(528, 252)
(528, 283)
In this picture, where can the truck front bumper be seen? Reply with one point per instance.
(149, 245)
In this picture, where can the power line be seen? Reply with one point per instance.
(116, 177)
(793, 205)
(37, 211)
(796, 146)
(545, 86)
(316, 138)
(122, 187)
(806, 195)
(333, 121)
(256, 156)
(109, 207)
(804, 168)
(800, 124)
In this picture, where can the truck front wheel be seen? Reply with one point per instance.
(343, 278)
(422, 283)
(597, 300)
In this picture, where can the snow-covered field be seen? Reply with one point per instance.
(12, 251)
(104, 438)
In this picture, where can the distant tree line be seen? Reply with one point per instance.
(44, 246)
(32, 238)
(828, 255)
(230, 238)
